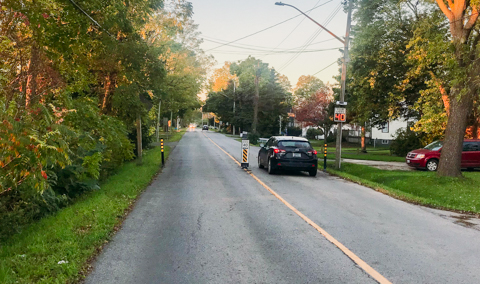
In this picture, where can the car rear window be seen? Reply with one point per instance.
(294, 144)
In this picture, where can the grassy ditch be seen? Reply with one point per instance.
(419, 187)
(58, 248)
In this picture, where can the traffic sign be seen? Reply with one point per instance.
(340, 114)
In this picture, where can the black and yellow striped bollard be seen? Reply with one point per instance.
(163, 154)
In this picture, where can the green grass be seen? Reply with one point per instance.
(173, 136)
(378, 154)
(77, 232)
(177, 136)
(420, 187)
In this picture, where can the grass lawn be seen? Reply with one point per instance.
(420, 187)
(352, 151)
(78, 232)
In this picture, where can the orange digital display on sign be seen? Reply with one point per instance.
(340, 115)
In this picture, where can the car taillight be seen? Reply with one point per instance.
(276, 151)
(314, 152)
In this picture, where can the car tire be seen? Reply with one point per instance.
(270, 169)
(432, 165)
(313, 173)
(259, 163)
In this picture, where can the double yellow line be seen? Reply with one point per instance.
(367, 268)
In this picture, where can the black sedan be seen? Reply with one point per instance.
(288, 153)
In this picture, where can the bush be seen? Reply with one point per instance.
(294, 131)
(312, 133)
(405, 141)
(253, 138)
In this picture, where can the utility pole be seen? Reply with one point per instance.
(158, 120)
(338, 149)
(255, 100)
(139, 140)
(280, 129)
(234, 87)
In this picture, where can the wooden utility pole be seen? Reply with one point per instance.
(255, 100)
(139, 140)
(338, 149)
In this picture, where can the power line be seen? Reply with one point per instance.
(309, 41)
(303, 19)
(266, 28)
(268, 52)
(239, 45)
(91, 19)
(265, 49)
(325, 68)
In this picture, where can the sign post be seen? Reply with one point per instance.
(245, 150)
(325, 158)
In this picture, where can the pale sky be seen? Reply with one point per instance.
(223, 21)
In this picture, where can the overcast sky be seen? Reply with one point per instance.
(224, 21)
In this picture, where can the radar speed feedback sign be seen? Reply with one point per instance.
(340, 114)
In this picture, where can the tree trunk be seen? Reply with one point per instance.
(451, 157)
(33, 67)
(364, 146)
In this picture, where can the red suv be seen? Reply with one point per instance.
(428, 157)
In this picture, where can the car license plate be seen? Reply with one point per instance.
(408, 161)
(297, 155)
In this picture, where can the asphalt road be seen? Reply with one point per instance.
(204, 220)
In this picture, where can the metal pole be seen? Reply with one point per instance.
(338, 151)
(158, 120)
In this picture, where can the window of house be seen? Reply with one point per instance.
(384, 141)
(385, 127)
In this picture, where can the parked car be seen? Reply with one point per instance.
(289, 153)
(428, 157)
(205, 127)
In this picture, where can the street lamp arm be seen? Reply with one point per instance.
(334, 35)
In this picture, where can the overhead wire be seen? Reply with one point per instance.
(267, 27)
(303, 19)
(312, 38)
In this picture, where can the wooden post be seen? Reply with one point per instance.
(139, 140)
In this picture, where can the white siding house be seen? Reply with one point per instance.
(385, 135)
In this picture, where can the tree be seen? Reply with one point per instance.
(254, 77)
(307, 85)
(464, 69)
(314, 109)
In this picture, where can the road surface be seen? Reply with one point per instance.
(205, 220)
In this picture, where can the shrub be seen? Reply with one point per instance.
(312, 133)
(294, 131)
(253, 138)
(405, 141)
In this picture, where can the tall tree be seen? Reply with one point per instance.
(464, 69)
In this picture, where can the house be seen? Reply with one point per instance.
(384, 135)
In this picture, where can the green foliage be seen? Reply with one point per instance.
(312, 133)
(77, 231)
(274, 99)
(406, 141)
(253, 138)
(294, 131)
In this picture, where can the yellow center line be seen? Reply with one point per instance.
(367, 268)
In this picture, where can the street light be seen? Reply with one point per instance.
(338, 151)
